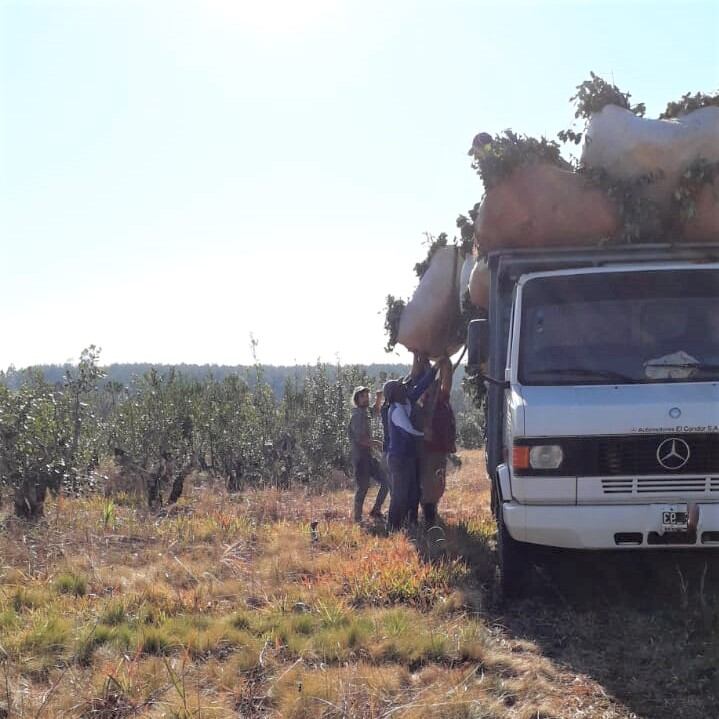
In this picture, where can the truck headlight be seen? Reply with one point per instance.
(546, 456)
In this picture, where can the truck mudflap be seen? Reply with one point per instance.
(505, 485)
(643, 526)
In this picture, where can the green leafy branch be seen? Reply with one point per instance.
(465, 225)
(695, 177)
(433, 244)
(592, 96)
(495, 158)
(596, 93)
(394, 308)
(638, 214)
(689, 103)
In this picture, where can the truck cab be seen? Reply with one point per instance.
(602, 415)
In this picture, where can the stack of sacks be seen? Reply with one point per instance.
(541, 205)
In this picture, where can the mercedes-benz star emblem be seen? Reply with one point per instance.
(675, 413)
(673, 453)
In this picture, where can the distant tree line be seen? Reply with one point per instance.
(275, 376)
(127, 374)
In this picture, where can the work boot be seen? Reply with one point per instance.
(357, 511)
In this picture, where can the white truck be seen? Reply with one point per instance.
(602, 415)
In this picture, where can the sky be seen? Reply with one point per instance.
(178, 176)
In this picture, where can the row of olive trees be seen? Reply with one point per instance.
(53, 436)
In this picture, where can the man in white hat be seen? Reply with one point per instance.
(366, 465)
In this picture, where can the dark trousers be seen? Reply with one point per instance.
(430, 513)
(366, 467)
(404, 502)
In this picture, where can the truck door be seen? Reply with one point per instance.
(506, 404)
(502, 295)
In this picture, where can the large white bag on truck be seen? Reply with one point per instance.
(541, 205)
(464, 275)
(429, 322)
(627, 147)
(479, 285)
(704, 224)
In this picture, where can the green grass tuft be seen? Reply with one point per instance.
(8, 619)
(71, 583)
(240, 621)
(29, 598)
(155, 641)
(49, 635)
(115, 613)
(86, 646)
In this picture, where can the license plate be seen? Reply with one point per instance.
(675, 519)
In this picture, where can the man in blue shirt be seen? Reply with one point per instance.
(400, 442)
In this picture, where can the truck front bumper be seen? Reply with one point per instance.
(608, 526)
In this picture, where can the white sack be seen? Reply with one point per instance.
(428, 323)
(465, 273)
(479, 285)
(627, 146)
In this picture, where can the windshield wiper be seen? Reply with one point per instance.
(586, 372)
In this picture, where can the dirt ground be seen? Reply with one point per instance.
(234, 605)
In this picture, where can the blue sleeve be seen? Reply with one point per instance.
(422, 384)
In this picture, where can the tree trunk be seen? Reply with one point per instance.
(179, 483)
(30, 498)
(75, 441)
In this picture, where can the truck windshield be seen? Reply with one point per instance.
(620, 327)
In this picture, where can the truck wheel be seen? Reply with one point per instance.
(514, 562)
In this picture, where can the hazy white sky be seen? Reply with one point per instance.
(177, 175)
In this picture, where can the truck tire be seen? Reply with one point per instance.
(514, 564)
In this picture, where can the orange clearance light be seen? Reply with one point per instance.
(520, 457)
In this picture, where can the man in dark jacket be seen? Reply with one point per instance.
(401, 441)
(436, 419)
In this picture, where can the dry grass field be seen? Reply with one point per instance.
(230, 606)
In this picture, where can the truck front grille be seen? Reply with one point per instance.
(638, 454)
(660, 485)
(618, 486)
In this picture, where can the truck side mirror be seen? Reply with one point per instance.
(477, 343)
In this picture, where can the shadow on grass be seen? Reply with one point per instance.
(645, 625)
(468, 540)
